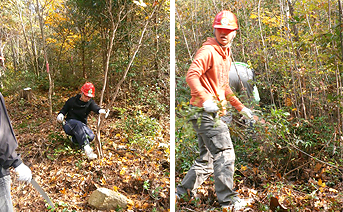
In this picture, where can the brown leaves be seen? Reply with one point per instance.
(276, 206)
(68, 177)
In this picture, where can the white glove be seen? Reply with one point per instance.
(210, 106)
(104, 111)
(246, 112)
(24, 173)
(256, 94)
(60, 117)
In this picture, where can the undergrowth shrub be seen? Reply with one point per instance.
(278, 142)
(141, 130)
(186, 145)
(151, 98)
(282, 143)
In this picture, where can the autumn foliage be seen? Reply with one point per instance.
(291, 160)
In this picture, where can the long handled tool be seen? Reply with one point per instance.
(40, 190)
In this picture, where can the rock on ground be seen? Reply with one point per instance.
(106, 199)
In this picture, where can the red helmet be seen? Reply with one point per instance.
(225, 20)
(88, 89)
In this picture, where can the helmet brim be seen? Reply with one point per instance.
(224, 27)
(88, 95)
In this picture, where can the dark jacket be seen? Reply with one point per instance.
(74, 108)
(8, 142)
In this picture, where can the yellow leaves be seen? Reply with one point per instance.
(123, 170)
(321, 183)
(268, 18)
(289, 193)
(130, 204)
(115, 188)
(253, 16)
(63, 191)
(145, 205)
(243, 168)
(288, 102)
(52, 179)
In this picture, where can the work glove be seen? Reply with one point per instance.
(24, 173)
(60, 117)
(246, 112)
(104, 111)
(210, 106)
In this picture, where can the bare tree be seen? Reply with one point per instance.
(41, 25)
(117, 88)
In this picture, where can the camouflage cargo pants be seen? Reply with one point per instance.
(217, 156)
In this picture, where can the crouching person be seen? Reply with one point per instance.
(9, 158)
(76, 110)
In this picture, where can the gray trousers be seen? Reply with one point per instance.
(5, 194)
(217, 156)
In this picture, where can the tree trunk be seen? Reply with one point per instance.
(2, 62)
(265, 55)
(114, 96)
(83, 52)
(340, 24)
(41, 25)
(108, 56)
(34, 48)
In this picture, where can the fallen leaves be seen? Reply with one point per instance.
(68, 177)
(276, 206)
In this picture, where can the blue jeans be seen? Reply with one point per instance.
(79, 132)
(5, 194)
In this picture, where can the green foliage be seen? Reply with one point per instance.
(141, 130)
(151, 95)
(61, 146)
(13, 81)
(156, 192)
(186, 145)
(56, 137)
(146, 185)
(182, 90)
(281, 141)
(121, 111)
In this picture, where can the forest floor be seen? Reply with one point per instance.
(275, 196)
(65, 173)
(312, 186)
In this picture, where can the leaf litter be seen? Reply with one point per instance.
(68, 177)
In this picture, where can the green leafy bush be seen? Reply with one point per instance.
(186, 145)
(141, 130)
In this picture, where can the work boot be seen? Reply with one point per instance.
(89, 152)
(237, 204)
